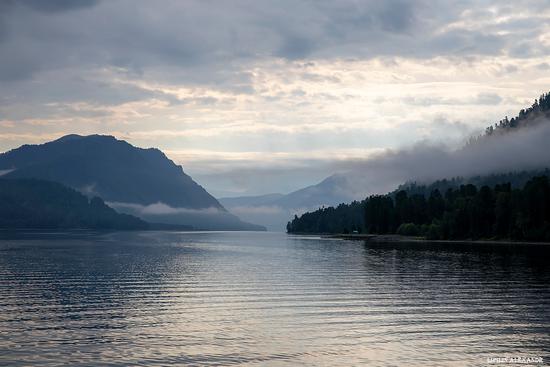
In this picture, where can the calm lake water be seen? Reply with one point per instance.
(159, 298)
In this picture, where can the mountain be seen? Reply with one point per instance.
(331, 190)
(130, 179)
(274, 210)
(30, 203)
(516, 144)
(494, 204)
(111, 168)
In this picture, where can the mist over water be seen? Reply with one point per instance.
(267, 299)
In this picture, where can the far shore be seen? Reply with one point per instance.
(394, 238)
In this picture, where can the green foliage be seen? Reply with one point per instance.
(433, 231)
(516, 179)
(465, 212)
(453, 208)
(30, 203)
(408, 229)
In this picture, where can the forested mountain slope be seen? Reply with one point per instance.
(513, 205)
(31, 203)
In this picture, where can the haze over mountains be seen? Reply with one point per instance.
(142, 182)
(517, 144)
(274, 210)
(271, 97)
(146, 184)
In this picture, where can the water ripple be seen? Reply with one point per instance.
(256, 299)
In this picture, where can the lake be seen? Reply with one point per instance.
(255, 299)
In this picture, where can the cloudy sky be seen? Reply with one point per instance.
(268, 96)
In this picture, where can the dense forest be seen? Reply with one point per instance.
(539, 111)
(465, 212)
(515, 179)
(31, 203)
(502, 206)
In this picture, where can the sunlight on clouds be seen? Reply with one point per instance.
(340, 96)
(201, 157)
(240, 86)
(344, 96)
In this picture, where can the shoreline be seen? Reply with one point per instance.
(394, 238)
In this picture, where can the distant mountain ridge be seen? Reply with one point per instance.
(516, 144)
(273, 210)
(330, 189)
(135, 179)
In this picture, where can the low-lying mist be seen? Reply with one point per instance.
(521, 149)
(211, 218)
(160, 208)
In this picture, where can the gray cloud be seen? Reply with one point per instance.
(79, 59)
(143, 36)
(53, 6)
(56, 53)
(480, 99)
(29, 39)
(424, 161)
(524, 149)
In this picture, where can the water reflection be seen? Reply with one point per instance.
(160, 298)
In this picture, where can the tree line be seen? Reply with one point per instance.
(539, 111)
(464, 212)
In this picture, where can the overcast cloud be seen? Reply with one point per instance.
(262, 96)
